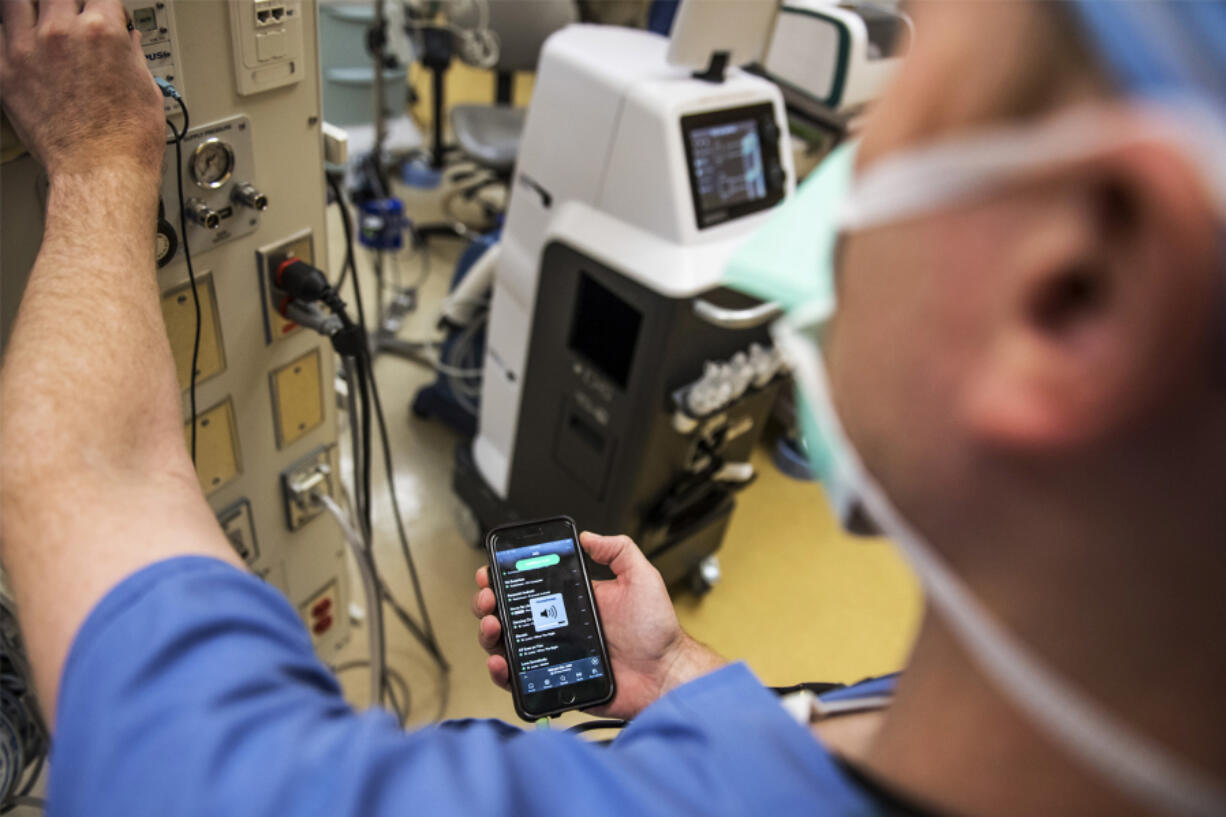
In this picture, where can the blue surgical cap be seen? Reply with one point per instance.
(1160, 48)
(1163, 49)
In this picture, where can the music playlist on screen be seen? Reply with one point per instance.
(552, 631)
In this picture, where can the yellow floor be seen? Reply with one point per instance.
(798, 600)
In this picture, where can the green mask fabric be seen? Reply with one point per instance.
(790, 258)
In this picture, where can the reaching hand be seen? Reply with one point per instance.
(650, 652)
(76, 87)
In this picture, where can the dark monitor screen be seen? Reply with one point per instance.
(727, 164)
(733, 159)
(604, 330)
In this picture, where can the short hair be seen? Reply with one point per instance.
(1061, 59)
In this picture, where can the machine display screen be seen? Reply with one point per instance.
(605, 330)
(727, 164)
(551, 628)
(733, 162)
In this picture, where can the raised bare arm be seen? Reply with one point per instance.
(95, 480)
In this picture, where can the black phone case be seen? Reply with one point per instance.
(496, 584)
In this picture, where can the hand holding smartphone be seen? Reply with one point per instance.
(554, 642)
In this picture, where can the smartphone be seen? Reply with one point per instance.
(550, 625)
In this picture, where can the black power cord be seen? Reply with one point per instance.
(431, 643)
(25, 735)
(361, 481)
(170, 92)
(347, 227)
(402, 703)
(349, 364)
(305, 283)
(589, 726)
(425, 632)
(350, 262)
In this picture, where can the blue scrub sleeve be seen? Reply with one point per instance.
(193, 690)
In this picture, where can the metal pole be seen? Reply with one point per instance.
(379, 41)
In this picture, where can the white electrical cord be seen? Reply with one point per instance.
(374, 609)
(472, 295)
(466, 393)
(453, 371)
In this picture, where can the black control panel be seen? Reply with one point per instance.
(733, 160)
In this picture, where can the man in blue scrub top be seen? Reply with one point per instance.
(1028, 358)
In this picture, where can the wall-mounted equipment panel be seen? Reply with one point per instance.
(217, 455)
(159, 39)
(299, 245)
(297, 398)
(221, 200)
(311, 475)
(321, 610)
(251, 428)
(239, 527)
(267, 36)
(179, 315)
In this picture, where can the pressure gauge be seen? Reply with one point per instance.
(212, 163)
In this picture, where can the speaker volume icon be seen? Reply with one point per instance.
(548, 611)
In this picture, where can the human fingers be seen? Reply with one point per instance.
(17, 19)
(500, 673)
(483, 576)
(483, 602)
(115, 5)
(489, 635)
(620, 553)
(110, 12)
(57, 12)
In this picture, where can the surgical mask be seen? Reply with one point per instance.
(908, 185)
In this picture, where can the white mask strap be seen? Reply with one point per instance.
(1129, 761)
(919, 180)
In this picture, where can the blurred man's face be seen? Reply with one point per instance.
(917, 299)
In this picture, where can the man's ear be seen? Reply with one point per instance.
(1112, 298)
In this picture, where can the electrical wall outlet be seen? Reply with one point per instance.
(322, 609)
(300, 245)
(312, 473)
(239, 528)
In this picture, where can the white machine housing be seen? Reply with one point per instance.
(839, 55)
(737, 27)
(603, 168)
